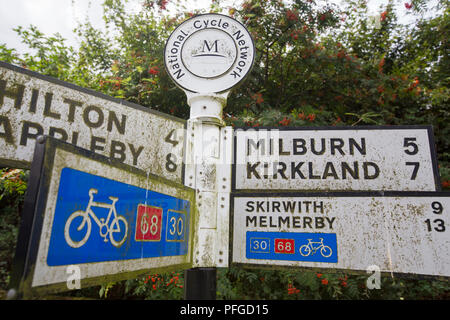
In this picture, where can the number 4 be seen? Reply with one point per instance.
(169, 138)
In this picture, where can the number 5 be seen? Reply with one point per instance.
(409, 142)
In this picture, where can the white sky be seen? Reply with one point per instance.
(51, 16)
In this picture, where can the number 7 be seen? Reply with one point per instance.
(415, 170)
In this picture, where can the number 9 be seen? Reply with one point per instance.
(437, 207)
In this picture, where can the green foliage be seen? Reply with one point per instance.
(316, 64)
(167, 286)
(45, 51)
(238, 283)
(13, 183)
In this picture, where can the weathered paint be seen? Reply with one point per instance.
(40, 276)
(32, 104)
(208, 170)
(397, 158)
(389, 231)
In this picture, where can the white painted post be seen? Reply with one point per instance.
(205, 171)
(206, 56)
(208, 170)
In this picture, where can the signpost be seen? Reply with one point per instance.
(106, 219)
(32, 104)
(398, 232)
(206, 56)
(388, 158)
(343, 198)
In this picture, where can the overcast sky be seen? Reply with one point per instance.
(51, 16)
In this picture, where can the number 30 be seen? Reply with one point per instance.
(176, 226)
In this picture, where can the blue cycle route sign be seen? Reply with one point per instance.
(292, 246)
(99, 219)
(89, 219)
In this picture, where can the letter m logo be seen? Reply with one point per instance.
(210, 47)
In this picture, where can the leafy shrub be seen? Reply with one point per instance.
(13, 183)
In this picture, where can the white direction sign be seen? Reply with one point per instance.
(32, 104)
(209, 53)
(397, 158)
(394, 233)
(87, 221)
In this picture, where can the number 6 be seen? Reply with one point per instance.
(144, 224)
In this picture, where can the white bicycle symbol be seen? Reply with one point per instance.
(105, 228)
(312, 246)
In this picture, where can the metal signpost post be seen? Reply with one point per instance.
(206, 56)
(87, 219)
